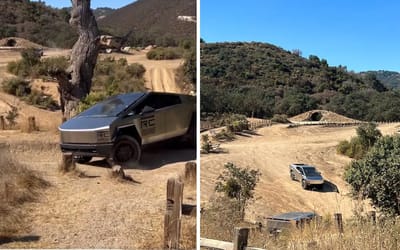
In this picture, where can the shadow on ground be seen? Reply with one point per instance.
(328, 187)
(155, 156)
(28, 238)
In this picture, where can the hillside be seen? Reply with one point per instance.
(36, 22)
(260, 79)
(391, 79)
(153, 21)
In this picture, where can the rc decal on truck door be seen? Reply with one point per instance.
(148, 125)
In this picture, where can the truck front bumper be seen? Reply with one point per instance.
(103, 150)
(315, 182)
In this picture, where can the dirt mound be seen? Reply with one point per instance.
(18, 43)
(321, 115)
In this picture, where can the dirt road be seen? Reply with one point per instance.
(271, 152)
(160, 75)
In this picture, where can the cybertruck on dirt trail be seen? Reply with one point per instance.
(307, 175)
(119, 126)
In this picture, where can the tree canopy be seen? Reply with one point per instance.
(261, 79)
(377, 175)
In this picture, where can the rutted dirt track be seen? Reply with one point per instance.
(94, 211)
(159, 75)
(271, 152)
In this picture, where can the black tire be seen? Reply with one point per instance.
(292, 176)
(126, 148)
(190, 136)
(83, 159)
(303, 184)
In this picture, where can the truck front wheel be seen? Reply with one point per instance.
(126, 148)
(304, 184)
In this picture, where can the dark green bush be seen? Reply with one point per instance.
(165, 53)
(41, 100)
(367, 135)
(51, 65)
(90, 100)
(16, 86)
(238, 126)
(280, 118)
(136, 70)
(377, 175)
(112, 77)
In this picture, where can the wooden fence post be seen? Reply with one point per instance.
(31, 124)
(339, 222)
(372, 216)
(172, 222)
(190, 172)
(240, 238)
(2, 123)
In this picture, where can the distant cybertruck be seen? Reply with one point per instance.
(307, 175)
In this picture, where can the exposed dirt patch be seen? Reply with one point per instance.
(321, 115)
(271, 151)
(18, 43)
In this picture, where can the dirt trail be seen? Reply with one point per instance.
(272, 151)
(159, 75)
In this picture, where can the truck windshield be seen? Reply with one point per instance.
(310, 172)
(112, 106)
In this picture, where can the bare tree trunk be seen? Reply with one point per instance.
(76, 84)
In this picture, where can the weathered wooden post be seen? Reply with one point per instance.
(2, 123)
(240, 238)
(372, 217)
(339, 222)
(31, 124)
(190, 172)
(172, 222)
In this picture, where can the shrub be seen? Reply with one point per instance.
(164, 53)
(238, 126)
(224, 135)
(113, 77)
(41, 100)
(205, 143)
(377, 175)
(367, 135)
(280, 118)
(343, 147)
(238, 184)
(11, 116)
(51, 65)
(16, 86)
(136, 70)
(90, 100)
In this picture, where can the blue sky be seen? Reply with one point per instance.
(94, 3)
(359, 34)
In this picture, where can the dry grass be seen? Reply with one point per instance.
(18, 185)
(219, 220)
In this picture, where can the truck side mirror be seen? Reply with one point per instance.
(147, 109)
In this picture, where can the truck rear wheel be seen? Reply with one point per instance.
(126, 148)
(83, 159)
(191, 133)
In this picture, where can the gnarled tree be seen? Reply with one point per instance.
(76, 82)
